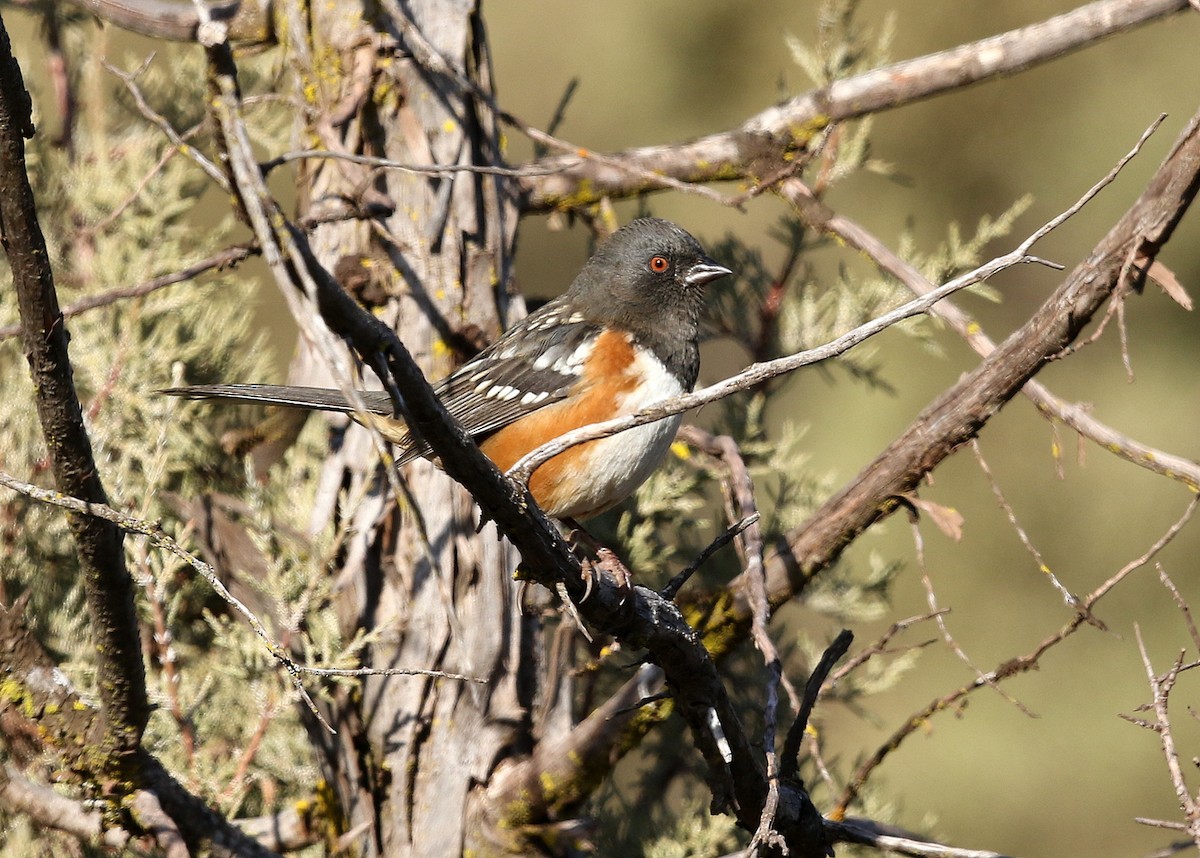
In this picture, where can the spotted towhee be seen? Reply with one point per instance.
(623, 337)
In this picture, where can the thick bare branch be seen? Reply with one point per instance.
(755, 148)
(108, 586)
(178, 20)
(50, 809)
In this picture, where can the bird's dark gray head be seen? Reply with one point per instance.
(649, 279)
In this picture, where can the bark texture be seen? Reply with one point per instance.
(412, 753)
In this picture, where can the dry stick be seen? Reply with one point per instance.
(1161, 687)
(1014, 666)
(940, 619)
(819, 216)
(1184, 608)
(671, 589)
(1069, 598)
(741, 506)
(855, 831)
(166, 653)
(880, 646)
(153, 530)
(583, 177)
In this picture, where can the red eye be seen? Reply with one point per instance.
(659, 264)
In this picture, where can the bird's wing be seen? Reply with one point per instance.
(533, 365)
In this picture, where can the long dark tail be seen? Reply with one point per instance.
(315, 398)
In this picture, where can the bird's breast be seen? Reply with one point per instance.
(592, 477)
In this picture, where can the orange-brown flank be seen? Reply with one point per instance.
(606, 380)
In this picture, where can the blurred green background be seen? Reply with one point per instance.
(1070, 781)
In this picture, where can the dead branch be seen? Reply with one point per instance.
(108, 586)
(868, 833)
(50, 809)
(962, 411)
(756, 147)
(180, 21)
(1161, 687)
(1012, 667)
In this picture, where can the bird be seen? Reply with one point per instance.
(624, 336)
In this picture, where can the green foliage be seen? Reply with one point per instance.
(843, 46)
(695, 834)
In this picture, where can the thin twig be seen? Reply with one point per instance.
(740, 506)
(1182, 604)
(1012, 667)
(143, 106)
(880, 646)
(672, 587)
(1068, 597)
(219, 261)
(855, 831)
(939, 617)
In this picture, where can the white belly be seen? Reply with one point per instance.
(617, 465)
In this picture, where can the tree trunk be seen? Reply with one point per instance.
(412, 753)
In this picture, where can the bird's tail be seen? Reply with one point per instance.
(377, 407)
(312, 398)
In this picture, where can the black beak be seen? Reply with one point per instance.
(705, 271)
